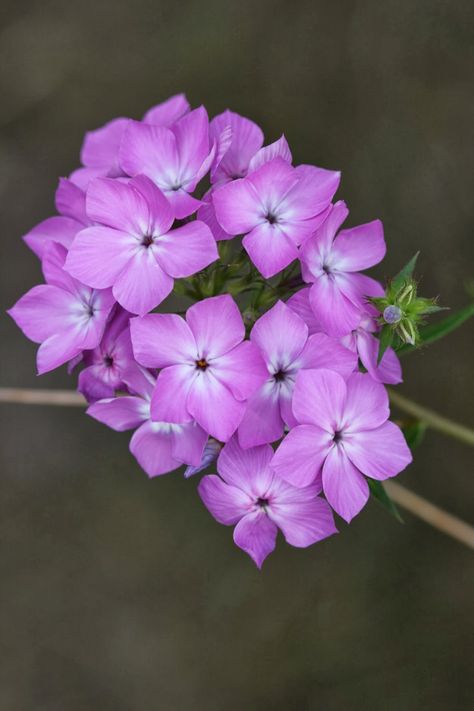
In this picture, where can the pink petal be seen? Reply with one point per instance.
(161, 340)
(242, 370)
(326, 233)
(378, 453)
(151, 445)
(357, 287)
(120, 413)
(118, 205)
(344, 486)
(299, 303)
(319, 398)
(152, 151)
(302, 516)
(388, 370)
(168, 111)
(246, 469)
(269, 249)
(256, 535)
(161, 215)
(278, 149)
(142, 284)
(192, 140)
(322, 351)
(337, 315)
(99, 254)
(262, 421)
(186, 250)
(44, 311)
(280, 335)
(100, 148)
(183, 204)
(247, 138)
(359, 248)
(54, 229)
(226, 503)
(216, 324)
(59, 349)
(70, 201)
(213, 406)
(300, 456)
(169, 400)
(238, 207)
(52, 265)
(272, 182)
(83, 176)
(188, 444)
(313, 192)
(366, 403)
(207, 214)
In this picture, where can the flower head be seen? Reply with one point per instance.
(249, 495)
(342, 435)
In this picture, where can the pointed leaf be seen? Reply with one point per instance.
(435, 331)
(385, 338)
(414, 433)
(404, 273)
(378, 492)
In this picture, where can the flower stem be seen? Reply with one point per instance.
(432, 419)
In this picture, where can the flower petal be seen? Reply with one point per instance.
(336, 313)
(242, 370)
(300, 456)
(281, 335)
(100, 147)
(226, 503)
(360, 247)
(238, 207)
(213, 406)
(169, 399)
(303, 517)
(366, 403)
(322, 351)
(161, 214)
(344, 486)
(54, 229)
(299, 303)
(160, 340)
(256, 535)
(388, 370)
(118, 205)
(168, 111)
(247, 138)
(319, 398)
(277, 149)
(151, 151)
(142, 284)
(98, 255)
(262, 421)
(379, 453)
(247, 469)
(216, 324)
(186, 250)
(151, 445)
(120, 413)
(44, 311)
(70, 201)
(269, 249)
(188, 444)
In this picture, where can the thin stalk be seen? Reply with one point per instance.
(432, 419)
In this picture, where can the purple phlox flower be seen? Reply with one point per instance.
(70, 203)
(159, 447)
(208, 370)
(100, 148)
(299, 303)
(277, 207)
(63, 315)
(363, 342)
(107, 364)
(282, 338)
(174, 158)
(331, 263)
(249, 495)
(210, 454)
(344, 434)
(240, 141)
(133, 250)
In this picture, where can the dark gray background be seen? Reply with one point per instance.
(120, 594)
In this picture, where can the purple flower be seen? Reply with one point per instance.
(277, 207)
(282, 338)
(107, 364)
(338, 294)
(209, 371)
(63, 315)
(174, 158)
(258, 502)
(343, 434)
(133, 249)
(366, 345)
(159, 447)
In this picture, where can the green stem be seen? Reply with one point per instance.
(432, 419)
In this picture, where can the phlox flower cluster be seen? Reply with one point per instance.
(271, 375)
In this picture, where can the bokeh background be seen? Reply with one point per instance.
(122, 594)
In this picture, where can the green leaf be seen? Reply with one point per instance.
(435, 331)
(404, 273)
(378, 492)
(414, 433)
(385, 340)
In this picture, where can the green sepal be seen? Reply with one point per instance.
(435, 331)
(385, 341)
(404, 274)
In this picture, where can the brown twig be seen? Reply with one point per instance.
(417, 505)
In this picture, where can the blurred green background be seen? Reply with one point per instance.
(122, 594)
